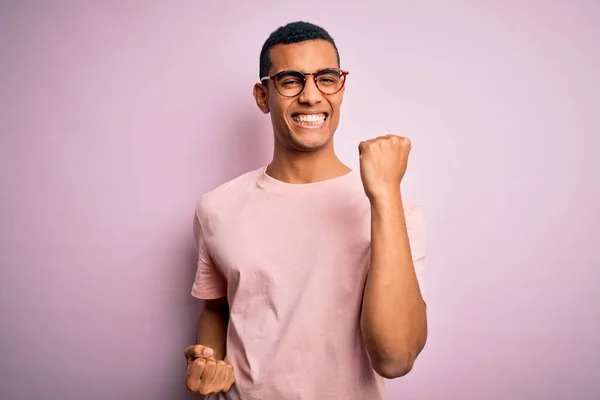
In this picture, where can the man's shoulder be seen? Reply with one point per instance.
(228, 193)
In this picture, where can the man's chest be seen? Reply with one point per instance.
(291, 238)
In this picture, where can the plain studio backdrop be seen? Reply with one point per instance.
(116, 115)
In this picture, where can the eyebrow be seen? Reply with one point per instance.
(328, 69)
(287, 72)
(291, 70)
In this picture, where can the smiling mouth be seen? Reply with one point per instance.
(310, 120)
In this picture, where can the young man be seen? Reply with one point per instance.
(307, 267)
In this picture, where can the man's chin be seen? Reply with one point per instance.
(310, 141)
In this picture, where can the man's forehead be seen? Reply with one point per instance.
(307, 56)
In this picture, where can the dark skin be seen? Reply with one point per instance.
(393, 318)
(207, 373)
(302, 156)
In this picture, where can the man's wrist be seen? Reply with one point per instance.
(386, 197)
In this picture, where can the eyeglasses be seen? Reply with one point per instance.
(291, 83)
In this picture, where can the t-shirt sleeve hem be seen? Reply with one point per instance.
(208, 294)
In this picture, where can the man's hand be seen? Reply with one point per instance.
(206, 375)
(383, 162)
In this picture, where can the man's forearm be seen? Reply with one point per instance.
(393, 320)
(212, 330)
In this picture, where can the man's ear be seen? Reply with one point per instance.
(262, 97)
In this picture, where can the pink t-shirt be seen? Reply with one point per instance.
(292, 260)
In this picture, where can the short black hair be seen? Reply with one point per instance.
(294, 32)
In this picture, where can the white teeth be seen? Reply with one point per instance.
(310, 118)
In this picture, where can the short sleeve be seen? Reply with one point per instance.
(415, 226)
(209, 282)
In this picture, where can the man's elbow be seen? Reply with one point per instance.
(395, 362)
(393, 369)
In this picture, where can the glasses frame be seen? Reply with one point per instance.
(343, 74)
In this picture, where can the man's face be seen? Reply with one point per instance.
(305, 122)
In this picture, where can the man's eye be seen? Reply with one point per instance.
(290, 82)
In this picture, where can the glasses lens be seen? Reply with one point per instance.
(330, 81)
(289, 83)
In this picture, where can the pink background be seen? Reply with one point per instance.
(116, 115)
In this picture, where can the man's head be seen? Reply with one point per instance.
(301, 86)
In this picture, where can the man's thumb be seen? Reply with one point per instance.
(198, 351)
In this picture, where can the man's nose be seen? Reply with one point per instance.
(311, 93)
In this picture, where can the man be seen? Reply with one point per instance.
(307, 267)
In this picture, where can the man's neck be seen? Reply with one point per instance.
(306, 167)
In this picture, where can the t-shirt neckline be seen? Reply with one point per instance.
(268, 183)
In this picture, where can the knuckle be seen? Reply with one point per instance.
(204, 389)
(191, 385)
(197, 368)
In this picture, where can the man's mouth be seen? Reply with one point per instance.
(310, 120)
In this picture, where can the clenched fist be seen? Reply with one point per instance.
(206, 375)
(383, 162)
